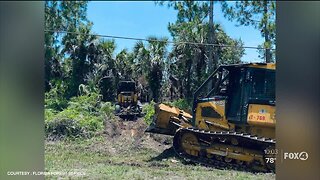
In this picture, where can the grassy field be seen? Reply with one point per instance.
(124, 152)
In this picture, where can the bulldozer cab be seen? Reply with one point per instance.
(126, 86)
(234, 87)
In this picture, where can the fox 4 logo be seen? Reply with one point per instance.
(296, 156)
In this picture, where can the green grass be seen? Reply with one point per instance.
(99, 158)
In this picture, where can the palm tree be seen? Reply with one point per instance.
(149, 60)
(157, 56)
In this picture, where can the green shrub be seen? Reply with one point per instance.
(108, 109)
(89, 103)
(181, 104)
(149, 112)
(83, 115)
(55, 103)
(49, 114)
(54, 99)
(62, 128)
(92, 123)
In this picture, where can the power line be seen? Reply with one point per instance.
(153, 40)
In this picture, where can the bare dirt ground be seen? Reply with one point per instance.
(124, 151)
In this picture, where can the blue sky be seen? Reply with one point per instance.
(143, 19)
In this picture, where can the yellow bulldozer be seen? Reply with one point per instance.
(232, 123)
(127, 106)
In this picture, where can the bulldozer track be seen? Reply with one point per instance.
(247, 140)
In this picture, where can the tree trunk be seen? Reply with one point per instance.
(210, 39)
(188, 84)
(266, 32)
(213, 56)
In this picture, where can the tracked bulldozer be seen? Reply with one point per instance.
(127, 106)
(232, 123)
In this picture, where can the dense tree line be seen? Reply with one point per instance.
(80, 62)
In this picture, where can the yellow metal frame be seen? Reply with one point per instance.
(261, 115)
(217, 123)
(263, 66)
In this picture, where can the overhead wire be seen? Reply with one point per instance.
(154, 40)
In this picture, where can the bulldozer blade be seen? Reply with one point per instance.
(155, 130)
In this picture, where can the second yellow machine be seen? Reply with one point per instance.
(232, 123)
(127, 106)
